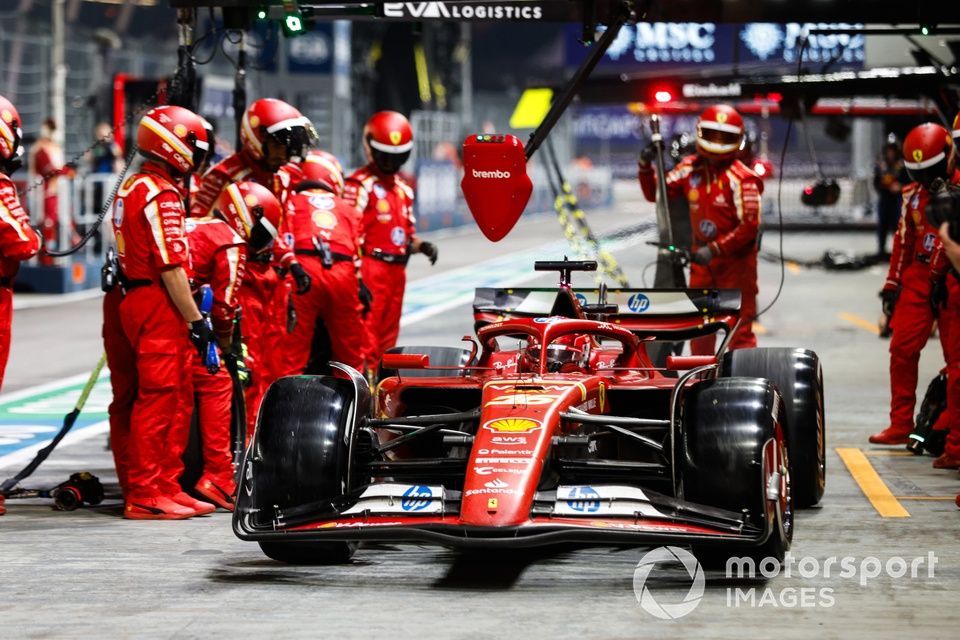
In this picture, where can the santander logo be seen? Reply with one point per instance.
(496, 174)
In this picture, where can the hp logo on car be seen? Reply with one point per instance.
(638, 303)
(653, 567)
(581, 299)
(584, 500)
(416, 498)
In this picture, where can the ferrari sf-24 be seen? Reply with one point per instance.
(552, 426)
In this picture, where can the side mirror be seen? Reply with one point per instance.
(495, 182)
(685, 363)
(405, 361)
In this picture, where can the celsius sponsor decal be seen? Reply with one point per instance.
(416, 498)
(506, 452)
(523, 461)
(458, 11)
(514, 425)
(509, 441)
(497, 174)
(928, 241)
(489, 471)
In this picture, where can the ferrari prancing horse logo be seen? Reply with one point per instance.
(395, 137)
(721, 117)
(918, 155)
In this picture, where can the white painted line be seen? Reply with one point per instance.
(13, 396)
(39, 300)
(79, 435)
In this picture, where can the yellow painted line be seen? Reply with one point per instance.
(890, 454)
(759, 329)
(871, 484)
(860, 322)
(793, 267)
(950, 498)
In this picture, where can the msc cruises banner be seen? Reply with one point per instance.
(685, 44)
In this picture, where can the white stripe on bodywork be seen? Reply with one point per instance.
(152, 211)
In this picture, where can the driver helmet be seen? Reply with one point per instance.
(928, 153)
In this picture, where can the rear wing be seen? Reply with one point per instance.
(677, 314)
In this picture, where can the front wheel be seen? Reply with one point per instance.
(308, 553)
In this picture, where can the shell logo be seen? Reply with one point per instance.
(395, 137)
(180, 130)
(513, 425)
(7, 116)
(918, 155)
(254, 121)
(324, 219)
(721, 117)
(251, 200)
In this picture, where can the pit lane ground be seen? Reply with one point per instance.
(90, 574)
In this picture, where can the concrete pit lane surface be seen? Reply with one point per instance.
(877, 559)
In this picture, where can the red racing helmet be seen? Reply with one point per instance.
(324, 168)
(720, 132)
(174, 136)
(276, 120)
(388, 139)
(11, 137)
(253, 211)
(928, 153)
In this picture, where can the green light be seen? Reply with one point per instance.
(294, 24)
(262, 14)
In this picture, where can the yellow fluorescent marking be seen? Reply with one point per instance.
(863, 323)
(531, 108)
(871, 484)
(793, 267)
(890, 454)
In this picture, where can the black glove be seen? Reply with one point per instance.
(291, 315)
(366, 298)
(648, 154)
(888, 298)
(301, 278)
(430, 250)
(944, 206)
(201, 336)
(938, 295)
(703, 255)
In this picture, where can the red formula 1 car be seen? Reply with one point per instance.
(553, 427)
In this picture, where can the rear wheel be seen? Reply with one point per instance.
(298, 457)
(734, 456)
(799, 377)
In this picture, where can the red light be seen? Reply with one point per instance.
(774, 97)
(663, 96)
(808, 190)
(759, 169)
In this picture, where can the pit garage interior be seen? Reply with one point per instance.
(822, 86)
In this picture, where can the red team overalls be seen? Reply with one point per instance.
(316, 217)
(387, 226)
(264, 295)
(148, 225)
(217, 258)
(18, 242)
(724, 215)
(912, 321)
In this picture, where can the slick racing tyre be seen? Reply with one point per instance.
(439, 357)
(298, 457)
(799, 377)
(733, 456)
